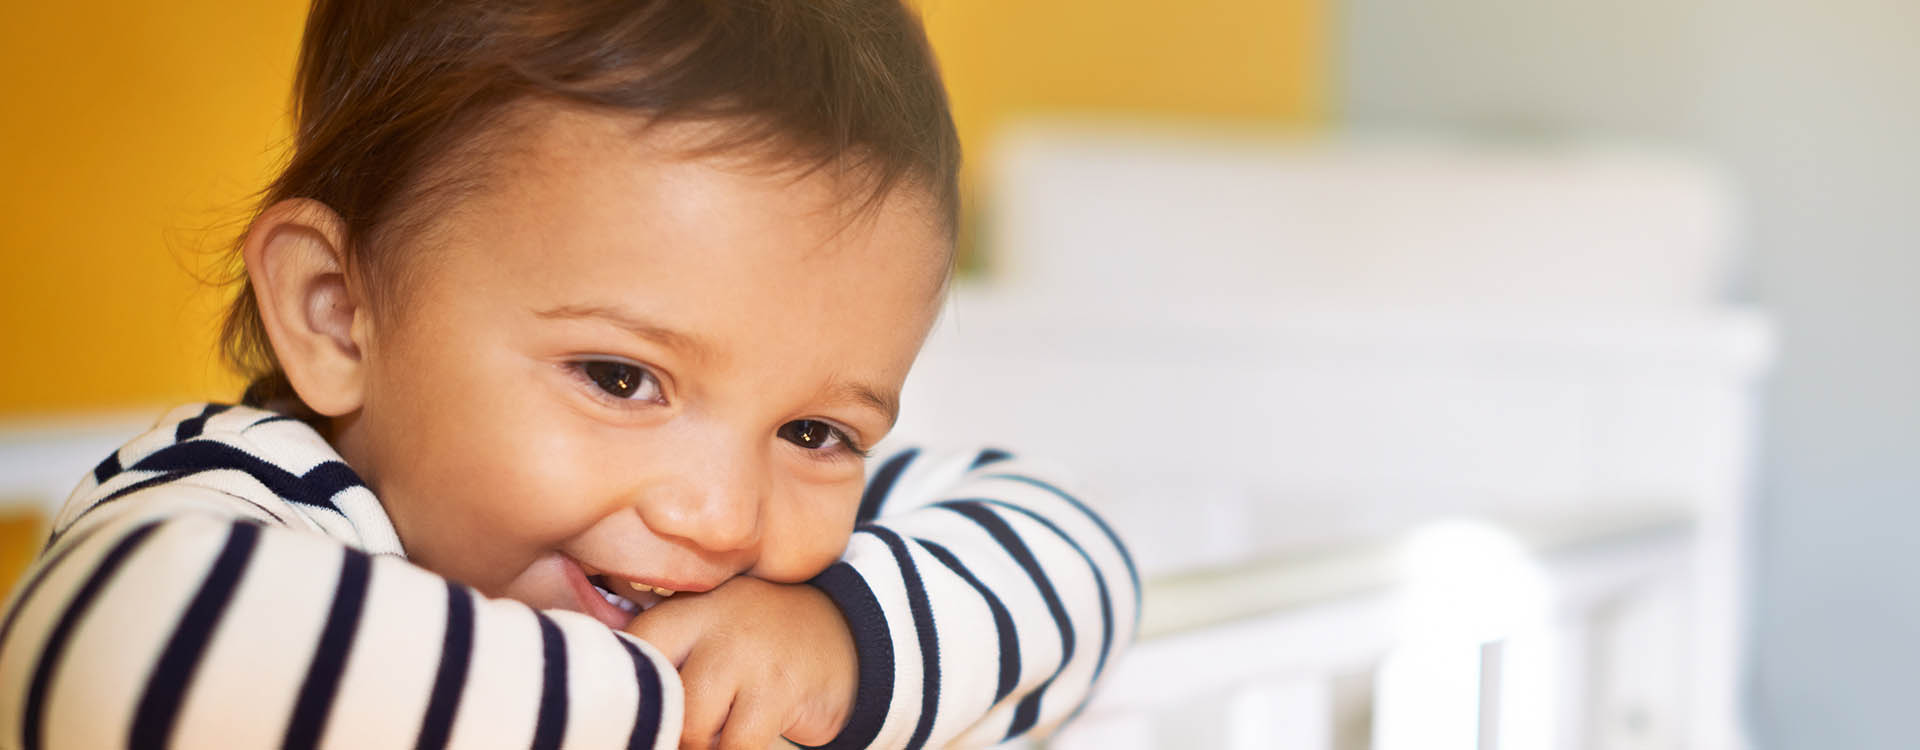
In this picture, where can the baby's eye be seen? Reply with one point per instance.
(622, 380)
(813, 435)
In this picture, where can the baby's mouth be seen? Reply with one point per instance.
(629, 597)
(612, 600)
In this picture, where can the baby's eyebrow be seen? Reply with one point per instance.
(643, 328)
(888, 402)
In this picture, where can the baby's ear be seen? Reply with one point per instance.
(315, 316)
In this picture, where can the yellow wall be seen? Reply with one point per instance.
(132, 136)
(1250, 61)
(128, 129)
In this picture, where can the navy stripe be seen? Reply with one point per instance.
(152, 481)
(161, 479)
(1002, 620)
(33, 584)
(269, 420)
(876, 492)
(327, 479)
(1133, 573)
(330, 656)
(191, 427)
(873, 642)
(167, 684)
(263, 509)
(1099, 580)
(315, 488)
(1028, 712)
(56, 644)
(552, 725)
(923, 627)
(451, 680)
(646, 717)
(155, 481)
(989, 456)
(107, 467)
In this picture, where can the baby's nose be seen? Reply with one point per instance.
(716, 513)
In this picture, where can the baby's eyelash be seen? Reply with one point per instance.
(854, 447)
(797, 432)
(619, 381)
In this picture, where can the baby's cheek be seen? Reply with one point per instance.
(804, 556)
(796, 569)
(554, 488)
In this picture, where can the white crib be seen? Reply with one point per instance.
(1418, 446)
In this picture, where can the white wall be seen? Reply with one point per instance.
(1815, 107)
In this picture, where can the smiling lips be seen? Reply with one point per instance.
(644, 588)
(614, 601)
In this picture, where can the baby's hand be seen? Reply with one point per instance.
(759, 660)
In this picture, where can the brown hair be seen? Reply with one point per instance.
(386, 89)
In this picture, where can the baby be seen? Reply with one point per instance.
(570, 325)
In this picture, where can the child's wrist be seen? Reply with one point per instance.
(873, 650)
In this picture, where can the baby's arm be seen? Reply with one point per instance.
(176, 623)
(984, 601)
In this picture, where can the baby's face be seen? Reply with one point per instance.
(618, 360)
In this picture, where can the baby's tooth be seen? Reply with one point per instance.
(647, 589)
(619, 602)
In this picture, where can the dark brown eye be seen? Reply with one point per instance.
(621, 380)
(811, 434)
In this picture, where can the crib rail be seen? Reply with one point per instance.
(1345, 649)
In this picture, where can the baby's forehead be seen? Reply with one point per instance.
(585, 197)
(623, 176)
(538, 144)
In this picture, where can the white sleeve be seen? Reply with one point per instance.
(181, 624)
(985, 599)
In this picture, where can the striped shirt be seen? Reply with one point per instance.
(225, 580)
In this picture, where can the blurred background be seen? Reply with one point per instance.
(1466, 373)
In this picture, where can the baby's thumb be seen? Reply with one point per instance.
(668, 631)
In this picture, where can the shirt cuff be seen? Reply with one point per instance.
(874, 644)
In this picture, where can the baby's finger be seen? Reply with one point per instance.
(710, 693)
(755, 722)
(673, 631)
